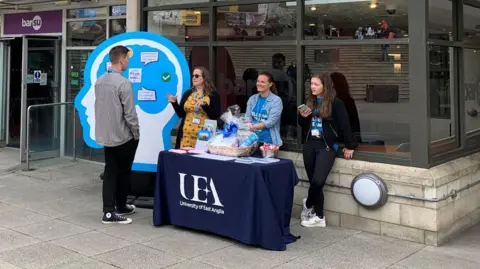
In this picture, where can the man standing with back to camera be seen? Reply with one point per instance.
(117, 129)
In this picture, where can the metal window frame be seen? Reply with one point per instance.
(418, 42)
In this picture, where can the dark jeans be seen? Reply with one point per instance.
(118, 168)
(318, 163)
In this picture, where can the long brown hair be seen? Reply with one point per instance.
(270, 80)
(209, 87)
(325, 108)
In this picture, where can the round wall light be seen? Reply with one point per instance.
(369, 190)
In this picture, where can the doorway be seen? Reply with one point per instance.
(34, 79)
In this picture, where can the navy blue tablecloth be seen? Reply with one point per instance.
(251, 203)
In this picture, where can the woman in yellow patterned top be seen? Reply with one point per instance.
(198, 104)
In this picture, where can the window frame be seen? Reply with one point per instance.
(418, 43)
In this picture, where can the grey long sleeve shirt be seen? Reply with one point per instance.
(116, 120)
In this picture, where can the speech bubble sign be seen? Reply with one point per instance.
(146, 95)
(148, 57)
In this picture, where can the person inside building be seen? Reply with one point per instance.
(342, 90)
(117, 129)
(198, 104)
(264, 111)
(326, 118)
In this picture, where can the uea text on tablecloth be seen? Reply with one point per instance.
(202, 207)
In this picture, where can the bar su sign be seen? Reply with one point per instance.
(35, 23)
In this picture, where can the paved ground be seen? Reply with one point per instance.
(50, 218)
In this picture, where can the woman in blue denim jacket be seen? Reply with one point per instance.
(264, 110)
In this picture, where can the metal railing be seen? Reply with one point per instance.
(27, 146)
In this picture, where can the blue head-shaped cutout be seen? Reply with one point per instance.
(156, 67)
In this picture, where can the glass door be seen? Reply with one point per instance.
(4, 90)
(40, 98)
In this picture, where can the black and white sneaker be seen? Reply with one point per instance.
(128, 210)
(113, 217)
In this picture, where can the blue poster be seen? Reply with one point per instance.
(156, 67)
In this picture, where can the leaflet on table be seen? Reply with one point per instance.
(256, 160)
(214, 157)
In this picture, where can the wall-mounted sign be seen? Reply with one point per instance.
(44, 22)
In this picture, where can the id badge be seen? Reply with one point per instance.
(315, 132)
(196, 121)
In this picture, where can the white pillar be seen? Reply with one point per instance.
(133, 15)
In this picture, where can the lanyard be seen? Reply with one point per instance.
(110, 71)
(197, 108)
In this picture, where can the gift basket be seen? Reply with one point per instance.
(235, 140)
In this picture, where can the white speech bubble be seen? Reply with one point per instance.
(148, 57)
(146, 95)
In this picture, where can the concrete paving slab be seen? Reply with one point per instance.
(91, 243)
(190, 264)
(361, 251)
(11, 240)
(20, 217)
(189, 244)
(51, 230)
(137, 256)
(39, 256)
(86, 263)
(432, 260)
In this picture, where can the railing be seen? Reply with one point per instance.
(27, 147)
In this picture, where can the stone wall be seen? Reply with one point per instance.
(429, 222)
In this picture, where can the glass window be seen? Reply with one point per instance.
(375, 93)
(87, 13)
(344, 19)
(86, 33)
(442, 86)
(471, 19)
(440, 25)
(471, 69)
(76, 61)
(180, 25)
(118, 10)
(256, 22)
(117, 26)
(156, 3)
(237, 71)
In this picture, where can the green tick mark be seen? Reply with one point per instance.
(166, 77)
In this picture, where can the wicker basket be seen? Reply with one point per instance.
(233, 151)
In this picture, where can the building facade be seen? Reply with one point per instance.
(406, 70)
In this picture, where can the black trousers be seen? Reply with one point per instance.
(318, 164)
(118, 169)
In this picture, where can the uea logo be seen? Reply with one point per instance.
(35, 23)
(209, 187)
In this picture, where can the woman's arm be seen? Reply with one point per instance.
(213, 109)
(340, 115)
(179, 108)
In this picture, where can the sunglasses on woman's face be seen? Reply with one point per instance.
(196, 76)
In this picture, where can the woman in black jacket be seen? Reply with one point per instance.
(326, 118)
(198, 104)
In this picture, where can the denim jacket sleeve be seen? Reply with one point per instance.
(275, 112)
(250, 104)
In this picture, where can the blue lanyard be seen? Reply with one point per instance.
(110, 71)
(197, 108)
